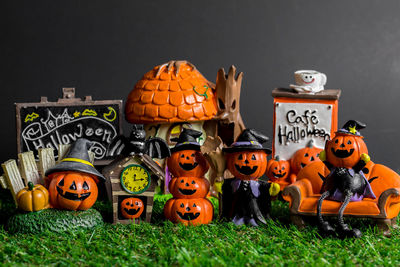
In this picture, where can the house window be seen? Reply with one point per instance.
(175, 130)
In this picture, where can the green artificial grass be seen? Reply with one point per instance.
(217, 244)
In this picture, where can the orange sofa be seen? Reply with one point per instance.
(303, 196)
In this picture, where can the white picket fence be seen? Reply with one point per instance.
(17, 175)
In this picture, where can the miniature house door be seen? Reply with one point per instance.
(299, 118)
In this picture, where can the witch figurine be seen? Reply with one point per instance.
(345, 156)
(245, 198)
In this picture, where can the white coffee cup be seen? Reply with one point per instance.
(309, 81)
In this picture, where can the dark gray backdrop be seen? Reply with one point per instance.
(102, 48)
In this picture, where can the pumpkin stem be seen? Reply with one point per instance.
(310, 144)
(30, 186)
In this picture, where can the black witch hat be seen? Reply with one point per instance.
(77, 159)
(352, 127)
(249, 139)
(187, 140)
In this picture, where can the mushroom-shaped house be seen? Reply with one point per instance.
(170, 97)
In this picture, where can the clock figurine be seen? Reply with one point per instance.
(135, 179)
(132, 180)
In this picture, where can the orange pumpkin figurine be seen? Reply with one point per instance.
(345, 156)
(132, 208)
(302, 158)
(245, 199)
(73, 180)
(278, 172)
(186, 158)
(189, 187)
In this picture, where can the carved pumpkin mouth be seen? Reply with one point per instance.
(342, 153)
(132, 211)
(188, 166)
(279, 175)
(187, 192)
(73, 196)
(246, 170)
(188, 216)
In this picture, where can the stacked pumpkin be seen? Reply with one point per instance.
(188, 186)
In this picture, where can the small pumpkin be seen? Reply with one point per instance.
(304, 156)
(189, 187)
(33, 198)
(131, 207)
(189, 211)
(188, 163)
(73, 190)
(277, 169)
(345, 150)
(247, 165)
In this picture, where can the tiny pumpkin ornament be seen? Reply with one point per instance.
(33, 198)
(73, 191)
(189, 187)
(189, 211)
(304, 156)
(186, 158)
(132, 207)
(277, 170)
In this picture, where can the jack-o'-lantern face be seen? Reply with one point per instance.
(304, 156)
(345, 150)
(187, 163)
(189, 187)
(247, 165)
(277, 169)
(131, 207)
(73, 191)
(189, 211)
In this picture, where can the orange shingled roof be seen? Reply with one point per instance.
(172, 92)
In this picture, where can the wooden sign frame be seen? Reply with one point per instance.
(68, 100)
(329, 97)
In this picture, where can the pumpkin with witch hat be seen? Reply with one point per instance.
(345, 156)
(246, 199)
(73, 181)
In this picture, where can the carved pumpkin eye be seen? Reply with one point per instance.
(182, 156)
(283, 168)
(61, 183)
(221, 104)
(136, 203)
(240, 157)
(253, 157)
(276, 168)
(349, 142)
(194, 205)
(336, 141)
(192, 155)
(182, 205)
(193, 182)
(85, 186)
(306, 155)
(73, 186)
(182, 181)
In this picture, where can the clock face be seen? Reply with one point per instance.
(135, 179)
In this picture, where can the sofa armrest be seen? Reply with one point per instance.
(296, 192)
(386, 199)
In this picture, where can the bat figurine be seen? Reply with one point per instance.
(138, 145)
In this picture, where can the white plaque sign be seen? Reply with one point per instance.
(297, 123)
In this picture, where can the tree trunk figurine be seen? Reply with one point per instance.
(228, 92)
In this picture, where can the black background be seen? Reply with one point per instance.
(103, 47)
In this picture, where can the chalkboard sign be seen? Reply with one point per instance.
(48, 124)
